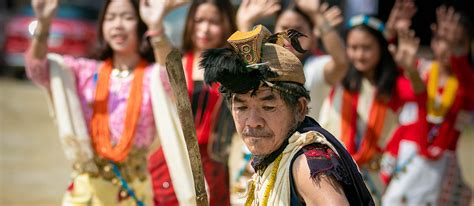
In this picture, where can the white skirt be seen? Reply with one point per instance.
(420, 181)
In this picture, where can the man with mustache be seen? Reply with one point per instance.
(263, 85)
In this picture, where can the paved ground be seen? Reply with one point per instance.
(33, 170)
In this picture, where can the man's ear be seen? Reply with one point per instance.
(302, 108)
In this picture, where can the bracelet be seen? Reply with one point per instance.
(158, 41)
(40, 36)
(323, 28)
(153, 33)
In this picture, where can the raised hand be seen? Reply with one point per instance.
(405, 57)
(153, 12)
(44, 9)
(310, 7)
(314, 9)
(405, 53)
(332, 15)
(448, 28)
(400, 17)
(326, 18)
(251, 10)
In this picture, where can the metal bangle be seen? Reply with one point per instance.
(157, 41)
(40, 36)
(324, 28)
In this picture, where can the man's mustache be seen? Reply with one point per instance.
(253, 132)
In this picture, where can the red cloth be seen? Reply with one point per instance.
(161, 180)
(216, 173)
(448, 135)
(402, 94)
(204, 102)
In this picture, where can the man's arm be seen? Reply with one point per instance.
(325, 191)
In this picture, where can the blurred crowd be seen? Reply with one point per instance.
(397, 100)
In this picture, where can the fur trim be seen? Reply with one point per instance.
(227, 67)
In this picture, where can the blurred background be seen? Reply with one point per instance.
(33, 169)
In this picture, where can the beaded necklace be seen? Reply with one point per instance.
(439, 104)
(268, 189)
(99, 124)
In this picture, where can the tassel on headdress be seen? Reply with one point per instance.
(289, 35)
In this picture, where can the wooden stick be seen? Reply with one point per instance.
(174, 67)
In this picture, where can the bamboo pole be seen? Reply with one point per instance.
(174, 68)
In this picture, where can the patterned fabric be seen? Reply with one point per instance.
(454, 191)
(421, 181)
(321, 161)
(85, 71)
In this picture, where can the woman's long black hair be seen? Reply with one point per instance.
(104, 51)
(386, 71)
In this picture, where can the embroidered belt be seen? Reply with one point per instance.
(134, 167)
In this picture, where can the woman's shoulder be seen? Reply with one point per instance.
(74, 62)
(82, 67)
(319, 60)
(79, 61)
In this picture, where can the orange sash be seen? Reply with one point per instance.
(100, 118)
(369, 145)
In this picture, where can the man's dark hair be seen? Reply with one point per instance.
(290, 92)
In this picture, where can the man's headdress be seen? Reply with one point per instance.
(257, 57)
